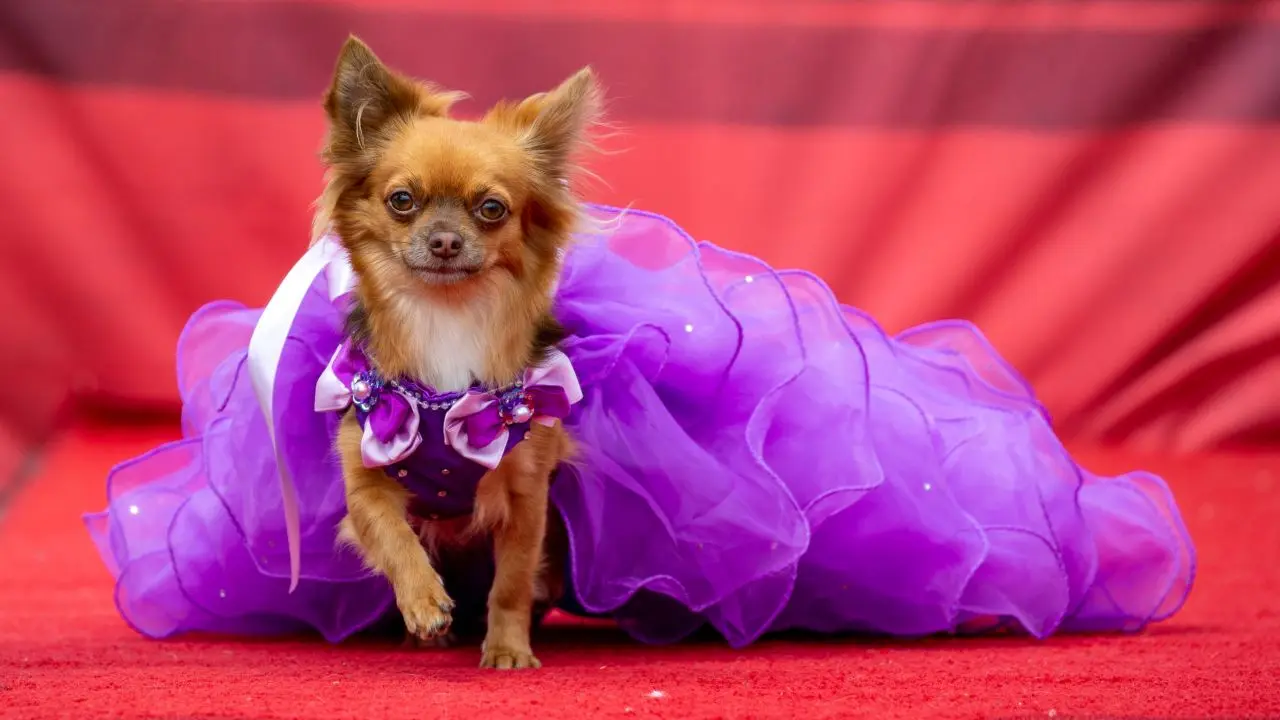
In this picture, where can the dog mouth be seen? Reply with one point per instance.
(446, 275)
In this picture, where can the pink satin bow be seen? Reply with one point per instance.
(391, 427)
(477, 425)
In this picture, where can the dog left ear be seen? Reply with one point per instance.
(365, 96)
(553, 126)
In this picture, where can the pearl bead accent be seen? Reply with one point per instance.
(521, 413)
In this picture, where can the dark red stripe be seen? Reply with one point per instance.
(663, 72)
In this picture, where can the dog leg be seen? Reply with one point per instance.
(521, 486)
(377, 526)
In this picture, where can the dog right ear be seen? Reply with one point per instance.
(557, 122)
(365, 97)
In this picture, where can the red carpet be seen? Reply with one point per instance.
(65, 653)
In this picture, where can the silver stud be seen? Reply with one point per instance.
(133, 510)
(222, 594)
(750, 279)
(444, 471)
(688, 328)
(928, 487)
(442, 493)
(360, 390)
(402, 473)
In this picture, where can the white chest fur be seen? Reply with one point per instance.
(448, 341)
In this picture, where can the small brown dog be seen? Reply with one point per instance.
(454, 230)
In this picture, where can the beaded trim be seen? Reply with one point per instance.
(443, 402)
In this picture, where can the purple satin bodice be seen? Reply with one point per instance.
(442, 480)
(439, 445)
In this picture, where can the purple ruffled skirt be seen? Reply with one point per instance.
(755, 457)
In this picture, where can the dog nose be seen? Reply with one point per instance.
(444, 244)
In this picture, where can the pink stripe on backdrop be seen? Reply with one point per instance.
(904, 14)
(1053, 77)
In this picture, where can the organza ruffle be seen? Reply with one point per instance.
(194, 530)
(754, 456)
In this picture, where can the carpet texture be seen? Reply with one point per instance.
(65, 653)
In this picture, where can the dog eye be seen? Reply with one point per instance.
(491, 210)
(401, 202)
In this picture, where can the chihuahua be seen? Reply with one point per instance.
(454, 230)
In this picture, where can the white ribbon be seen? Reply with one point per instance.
(266, 347)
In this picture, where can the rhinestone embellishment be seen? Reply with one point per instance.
(515, 406)
(365, 388)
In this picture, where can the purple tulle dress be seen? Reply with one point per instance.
(755, 457)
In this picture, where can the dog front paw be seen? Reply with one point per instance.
(427, 617)
(442, 641)
(504, 658)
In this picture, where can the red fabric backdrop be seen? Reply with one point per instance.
(1095, 183)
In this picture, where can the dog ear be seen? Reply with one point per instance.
(365, 97)
(553, 126)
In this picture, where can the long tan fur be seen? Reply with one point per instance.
(388, 132)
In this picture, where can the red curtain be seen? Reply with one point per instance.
(1095, 183)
